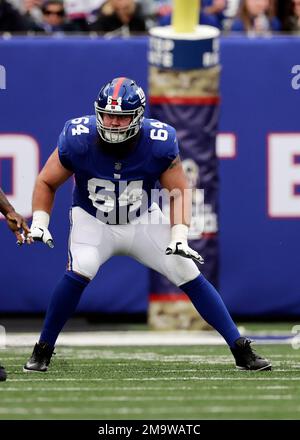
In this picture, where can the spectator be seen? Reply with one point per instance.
(33, 7)
(29, 7)
(163, 7)
(230, 13)
(31, 10)
(256, 16)
(119, 17)
(148, 10)
(282, 8)
(232, 7)
(215, 8)
(291, 21)
(10, 19)
(54, 19)
(75, 8)
(79, 11)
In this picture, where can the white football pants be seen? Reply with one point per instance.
(92, 242)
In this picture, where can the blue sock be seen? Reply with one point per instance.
(63, 303)
(209, 304)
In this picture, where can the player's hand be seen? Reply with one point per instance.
(19, 227)
(182, 248)
(41, 233)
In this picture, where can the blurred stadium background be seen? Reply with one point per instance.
(123, 367)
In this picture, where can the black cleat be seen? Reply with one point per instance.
(3, 374)
(40, 358)
(246, 358)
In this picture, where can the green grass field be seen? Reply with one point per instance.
(151, 383)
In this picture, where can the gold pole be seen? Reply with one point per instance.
(185, 15)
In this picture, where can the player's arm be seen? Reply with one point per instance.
(15, 221)
(174, 180)
(52, 176)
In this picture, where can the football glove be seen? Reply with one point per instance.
(39, 228)
(179, 244)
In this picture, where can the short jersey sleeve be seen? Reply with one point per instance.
(73, 142)
(65, 148)
(166, 149)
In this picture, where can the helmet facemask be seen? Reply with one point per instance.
(116, 135)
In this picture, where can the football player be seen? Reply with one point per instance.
(18, 226)
(117, 156)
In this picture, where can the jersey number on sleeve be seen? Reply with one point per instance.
(158, 133)
(80, 127)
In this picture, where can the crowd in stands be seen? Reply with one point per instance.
(126, 17)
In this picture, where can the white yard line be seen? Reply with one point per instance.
(144, 398)
(178, 388)
(131, 338)
(93, 387)
(158, 410)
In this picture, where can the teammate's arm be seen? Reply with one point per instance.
(15, 221)
(174, 180)
(52, 176)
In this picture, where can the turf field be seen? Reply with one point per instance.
(170, 382)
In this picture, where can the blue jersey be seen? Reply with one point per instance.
(111, 188)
